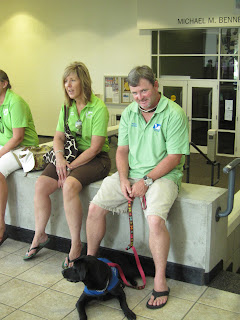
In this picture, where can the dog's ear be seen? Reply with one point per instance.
(82, 269)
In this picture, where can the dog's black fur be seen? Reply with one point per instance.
(95, 275)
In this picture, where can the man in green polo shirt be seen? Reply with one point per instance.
(152, 144)
(17, 130)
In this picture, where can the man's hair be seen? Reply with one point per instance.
(82, 72)
(4, 77)
(140, 72)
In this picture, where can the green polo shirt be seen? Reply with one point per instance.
(15, 113)
(149, 143)
(94, 117)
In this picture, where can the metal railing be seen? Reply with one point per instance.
(213, 164)
(231, 170)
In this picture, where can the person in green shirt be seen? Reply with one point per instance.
(17, 131)
(88, 120)
(152, 144)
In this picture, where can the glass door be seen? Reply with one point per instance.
(202, 108)
(175, 90)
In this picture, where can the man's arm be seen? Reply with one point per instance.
(123, 169)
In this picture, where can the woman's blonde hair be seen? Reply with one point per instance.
(85, 80)
(4, 77)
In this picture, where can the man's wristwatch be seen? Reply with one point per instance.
(147, 181)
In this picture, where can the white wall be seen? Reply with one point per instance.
(38, 39)
(172, 14)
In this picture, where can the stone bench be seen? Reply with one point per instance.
(198, 242)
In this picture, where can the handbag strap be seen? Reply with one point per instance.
(65, 116)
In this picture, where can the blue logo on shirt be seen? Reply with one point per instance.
(134, 124)
(157, 127)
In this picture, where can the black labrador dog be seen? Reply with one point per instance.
(101, 281)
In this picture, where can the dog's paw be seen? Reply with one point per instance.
(130, 315)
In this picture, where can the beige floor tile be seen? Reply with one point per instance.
(42, 274)
(221, 299)
(56, 259)
(133, 297)
(203, 312)
(13, 265)
(96, 311)
(5, 310)
(4, 278)
(11, 245)
(74, 289)
(15, 292)
(3, 254)
(185, 290)
(51, 305)
(175, 309)
(20, 315)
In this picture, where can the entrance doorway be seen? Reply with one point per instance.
(199, 100)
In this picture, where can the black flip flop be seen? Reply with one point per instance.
(157, 294)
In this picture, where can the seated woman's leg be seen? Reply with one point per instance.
(44, 187)
(73, 211)
(8, 164)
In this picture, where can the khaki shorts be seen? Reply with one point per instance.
(96, 169)
(159, 197)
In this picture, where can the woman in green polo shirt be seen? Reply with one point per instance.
(87, 119)
(17, 130)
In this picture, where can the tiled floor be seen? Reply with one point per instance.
(35, 289)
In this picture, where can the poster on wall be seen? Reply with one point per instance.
(111, 90)
(228, 110)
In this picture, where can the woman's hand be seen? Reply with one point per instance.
(61, 169)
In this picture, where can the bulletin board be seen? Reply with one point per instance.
(116, 90)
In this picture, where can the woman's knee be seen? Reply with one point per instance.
(71, 188)
(45, 186)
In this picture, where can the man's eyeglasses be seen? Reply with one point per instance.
(78, 126)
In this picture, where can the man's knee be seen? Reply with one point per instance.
(95, 211)
(156, 223)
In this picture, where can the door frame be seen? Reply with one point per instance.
(187, 85)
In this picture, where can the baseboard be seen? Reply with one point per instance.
(174, 271)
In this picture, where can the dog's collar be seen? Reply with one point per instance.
(104, 288)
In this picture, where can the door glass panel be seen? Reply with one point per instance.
(154, 65)
(229, 67)
(200, 41)
(229, 41)
(154, 42)
(226, 142)
(173, 93)
(202, 103)
(194, 67)
(199, 132)
(227, 105)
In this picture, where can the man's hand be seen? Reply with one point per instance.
(139, 189)
(126, 189)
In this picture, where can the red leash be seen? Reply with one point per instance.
(140, 269)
